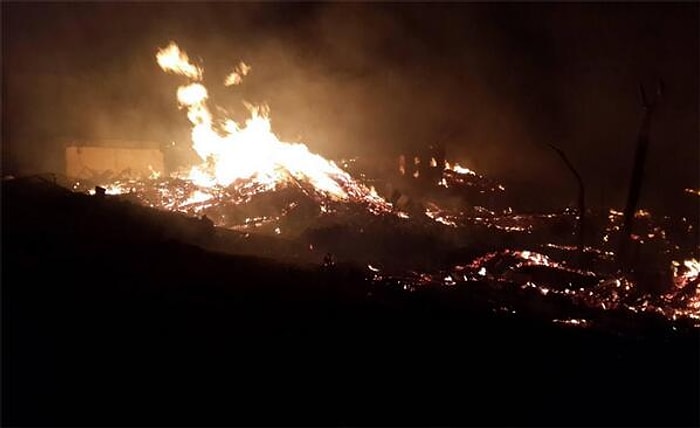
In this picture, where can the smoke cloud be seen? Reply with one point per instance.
(496, 82)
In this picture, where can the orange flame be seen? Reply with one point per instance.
(251, 151)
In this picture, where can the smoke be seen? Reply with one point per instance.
(375, 80)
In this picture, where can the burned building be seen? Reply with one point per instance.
(113, 160)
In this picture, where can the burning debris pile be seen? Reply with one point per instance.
(590, 281)
(243, 165)
(244, 204)
(249, 180)
(536, 284)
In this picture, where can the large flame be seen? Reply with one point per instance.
(251, 151)
(172, 59)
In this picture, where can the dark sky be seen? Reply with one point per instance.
(363, 79)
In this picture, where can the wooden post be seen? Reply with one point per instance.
(637, 178)
(580, 240)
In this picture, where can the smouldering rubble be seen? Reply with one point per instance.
(244, 164)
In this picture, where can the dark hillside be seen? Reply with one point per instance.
(113, 315)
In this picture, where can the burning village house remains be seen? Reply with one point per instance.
(251, 182)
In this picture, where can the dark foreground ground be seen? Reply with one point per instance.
(110, 318)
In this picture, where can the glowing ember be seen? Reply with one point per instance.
(197, 197)
(535, 258)
(686, 273)
(116, 188)
(642, 214)
(461, 170)
(572, 321)
(435, 214)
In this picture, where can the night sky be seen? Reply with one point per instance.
(374, 80)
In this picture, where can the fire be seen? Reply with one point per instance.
(116, 188)
(458, 169)
(642, 214)
(236, 76)
(535, 258)
(198, 197)
(250, 151)
(462, 170)
(433, 212)
(685, 273)
(572, 321)
(173, 60)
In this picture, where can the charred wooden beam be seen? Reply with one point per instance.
(637, 177)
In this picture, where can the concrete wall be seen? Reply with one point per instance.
(111, 163)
